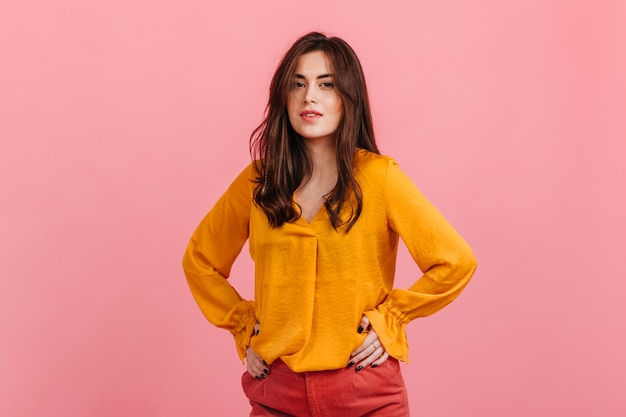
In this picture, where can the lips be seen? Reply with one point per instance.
(310, 115)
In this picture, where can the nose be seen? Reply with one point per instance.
(311, 95)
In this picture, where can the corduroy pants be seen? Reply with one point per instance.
(371, 392)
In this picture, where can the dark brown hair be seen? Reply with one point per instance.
(280, 153)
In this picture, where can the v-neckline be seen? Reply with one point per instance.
(302, 217)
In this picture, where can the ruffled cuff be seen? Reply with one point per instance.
(243, 333)
(390, 324)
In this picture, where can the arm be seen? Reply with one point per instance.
(445, 259)
(211, 252)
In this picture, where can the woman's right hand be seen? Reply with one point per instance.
(255, 364)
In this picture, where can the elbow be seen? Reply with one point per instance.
(460, 264)
(187, 261)
(466, 263)
(192, 264)
(469, 260)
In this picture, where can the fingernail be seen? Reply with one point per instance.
(350, 364)
(358, 368)
(263, 376)
(374, 365)
(264, 363)
(257, 377)
(266, 371)
(359, 330)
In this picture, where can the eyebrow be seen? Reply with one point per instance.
(318, 77)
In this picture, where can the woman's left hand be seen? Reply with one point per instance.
(371, 352)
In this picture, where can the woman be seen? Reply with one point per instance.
(323, 211)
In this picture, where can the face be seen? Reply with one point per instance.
(314, 107)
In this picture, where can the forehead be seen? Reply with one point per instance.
(313, 64)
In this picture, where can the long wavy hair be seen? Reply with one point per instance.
(280, 154)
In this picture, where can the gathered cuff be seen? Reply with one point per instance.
(390, 326)
(243, 332)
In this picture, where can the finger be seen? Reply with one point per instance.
(257, 328)
(252, 363)
(369, 339)
(368, 355)
(370, 359)
(256, 368)
(255, 365)
(381, 359)
(363, 325)
(366, 349)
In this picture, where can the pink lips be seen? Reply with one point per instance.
(310, 115)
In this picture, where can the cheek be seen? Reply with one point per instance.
(291, 110)
(290, 103)
(339, 108)
(291, 113)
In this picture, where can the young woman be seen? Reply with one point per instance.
(323, 211)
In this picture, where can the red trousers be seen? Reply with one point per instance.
(339, 393)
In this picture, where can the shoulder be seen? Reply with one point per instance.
(251, 171)
(246, 180)
(382, 173)
(372, 164)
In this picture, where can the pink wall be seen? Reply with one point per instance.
(122, 121)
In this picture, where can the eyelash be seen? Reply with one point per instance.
(326, 84)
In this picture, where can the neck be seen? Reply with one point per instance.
(322, 153)
(323, 156)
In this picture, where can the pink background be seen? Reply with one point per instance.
(123, 121)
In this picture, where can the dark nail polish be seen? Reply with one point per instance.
(358, 368)
(263, 376)
(266, 371)
(350, 364)
(264, 363)
(374, 365)
(257, 377)
(359, 330)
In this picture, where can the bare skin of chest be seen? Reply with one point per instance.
(310, 196)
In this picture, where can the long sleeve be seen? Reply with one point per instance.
(211, 252)
(313, 283)
(445, 259)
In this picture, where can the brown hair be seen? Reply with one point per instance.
(280, 153)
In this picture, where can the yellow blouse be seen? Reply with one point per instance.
(313, 284)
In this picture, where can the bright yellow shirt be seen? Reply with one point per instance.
(313, 283)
